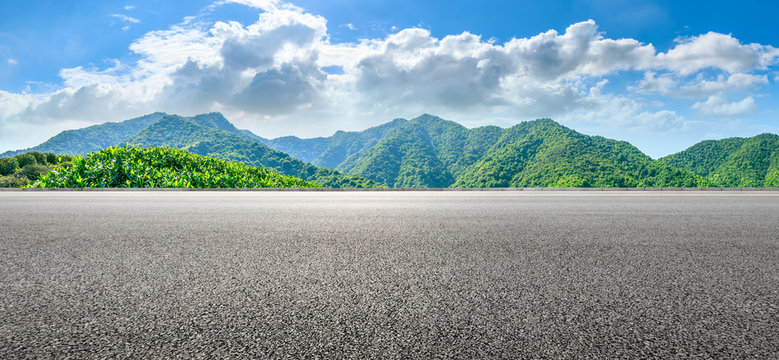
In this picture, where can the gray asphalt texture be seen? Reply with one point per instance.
(147, 275)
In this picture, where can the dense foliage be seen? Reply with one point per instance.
(20, 170)
(734, 162)
(431, 152)
(544, 154)
(184, 133)
(130, 167)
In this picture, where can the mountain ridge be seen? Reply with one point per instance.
(428, 151)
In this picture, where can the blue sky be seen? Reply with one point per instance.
(660, 74)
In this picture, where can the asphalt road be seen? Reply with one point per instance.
(147, 275)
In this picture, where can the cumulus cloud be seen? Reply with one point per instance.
(720, 51)
(651, 83)
(268, 75)
(718, 106)
(737, 81)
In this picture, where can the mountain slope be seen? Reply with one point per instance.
(96, 137)
(92, 138)
(185, 133)
(332, 151)
(431, 152)
(543, 153)
(406, 159)
(733, 162)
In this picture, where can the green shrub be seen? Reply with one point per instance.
(64, 159)
(161, 167)
(25, 159)
(8, 166)
(33, 171)
(51, 159)
(13, 181)
(40, 158)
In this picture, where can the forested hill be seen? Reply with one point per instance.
(218, 141)
(432, 152)
(334, 150)
(733, 162)
(97, 137)
(91, 138)
(429, 151)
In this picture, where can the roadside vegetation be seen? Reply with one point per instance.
(22, 169)
(157, 167)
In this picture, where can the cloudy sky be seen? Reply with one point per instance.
(656, 73)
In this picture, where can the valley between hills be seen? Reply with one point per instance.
(162, 150)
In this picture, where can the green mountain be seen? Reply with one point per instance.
(97, 137)
(431, 152)
(92, 138)
(332, 151)
(543, 153)
(733, 162)
(199, 137)
(130, 167)
(428, 151)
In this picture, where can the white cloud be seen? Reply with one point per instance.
(268, 76)
(350, 26)
(734, 82)
(266, 5)
(129, 7)
(126, 18)
(12, 61)
(718, 106)
(651, 83)
(719, 51)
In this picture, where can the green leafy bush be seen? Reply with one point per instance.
(25, 159)
(51, 158)
(33, 171)
(40, 158)
(8, 166)
(162, 168)
(15, 181)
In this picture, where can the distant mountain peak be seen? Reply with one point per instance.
(427, 117)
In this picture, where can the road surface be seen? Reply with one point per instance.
(389, 275)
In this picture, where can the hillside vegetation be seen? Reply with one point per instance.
(20, 170)
(332, 151)
(431, 152)
(130, 167)
(92, 138)
(190, 134)
(428, 151)
(734, 162)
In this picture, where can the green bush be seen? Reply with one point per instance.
(13, 181)
(51, 159)
(162, 168)
(8, 166)
(33, 171)
(25, 159)
(40, 158)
